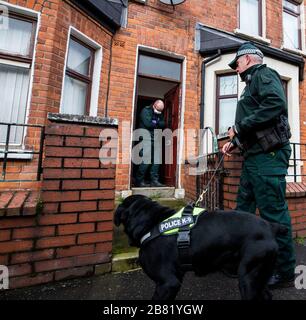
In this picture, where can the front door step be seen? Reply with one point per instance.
(164, 192)
(125, 262)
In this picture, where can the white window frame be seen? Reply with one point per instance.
(301, 51)
(218, 97)
(261, 38)
(37, 15)
(287, 71)
(97, 69)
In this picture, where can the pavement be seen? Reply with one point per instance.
(135, 285)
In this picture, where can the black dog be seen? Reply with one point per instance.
(219, 239)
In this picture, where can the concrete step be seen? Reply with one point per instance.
(125, 262)
(164, 192)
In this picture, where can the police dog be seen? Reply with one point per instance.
(220, 239)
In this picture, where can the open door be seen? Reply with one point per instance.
(159, 77)
(171, 118)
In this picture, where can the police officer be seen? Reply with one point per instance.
(151, 118)
(262, 132)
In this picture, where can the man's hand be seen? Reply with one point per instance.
(154, 122)
(228, 148)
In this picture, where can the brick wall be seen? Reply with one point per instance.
(72, 234)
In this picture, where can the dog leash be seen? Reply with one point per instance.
(201, 197)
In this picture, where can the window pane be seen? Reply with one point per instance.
(74, 96)
(17, 38)
(227, 111)
(228, 85)
(79, 58)
(291, 6)
(249, 16)
(285, 86)
(159, 67)
(13, 90)
(291, 32)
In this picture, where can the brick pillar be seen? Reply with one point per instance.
(78, 194)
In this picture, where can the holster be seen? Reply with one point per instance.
(275, 136)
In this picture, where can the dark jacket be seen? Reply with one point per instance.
(150, 120)
(260, 105)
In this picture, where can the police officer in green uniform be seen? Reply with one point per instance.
(262, 133)
(151, 118)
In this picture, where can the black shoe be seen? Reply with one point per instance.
(279, 281)
(156, 183)
(142, 184)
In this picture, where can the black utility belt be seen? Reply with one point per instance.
(273, 137)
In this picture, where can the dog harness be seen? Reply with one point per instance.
(180, 223)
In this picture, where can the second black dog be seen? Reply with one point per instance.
(219, 239)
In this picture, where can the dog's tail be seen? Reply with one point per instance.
(279, 229)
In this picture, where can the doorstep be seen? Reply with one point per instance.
(163, 192)
(123, 262)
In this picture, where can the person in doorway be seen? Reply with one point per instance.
(262, 133)
(151, 118)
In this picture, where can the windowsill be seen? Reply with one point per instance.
(252, 37)
(296, 51)
(18, 154)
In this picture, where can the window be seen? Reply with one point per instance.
(291, 25)
(78, 78)
(227, 97)
(285, 86)
(159, 67)
(250, 17)
(16, 54)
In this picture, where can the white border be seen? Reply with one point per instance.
(180, 139)
(94, 100)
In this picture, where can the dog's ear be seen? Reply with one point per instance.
(118, 217)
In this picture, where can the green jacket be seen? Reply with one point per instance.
(145, 122)
(261, 103)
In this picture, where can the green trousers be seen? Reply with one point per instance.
(151, 161)
(263, 186)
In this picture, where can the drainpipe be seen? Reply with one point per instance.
(202, 103)
(109, 75)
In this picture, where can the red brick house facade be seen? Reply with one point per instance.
(110, 59)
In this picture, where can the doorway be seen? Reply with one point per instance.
(159, 77)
